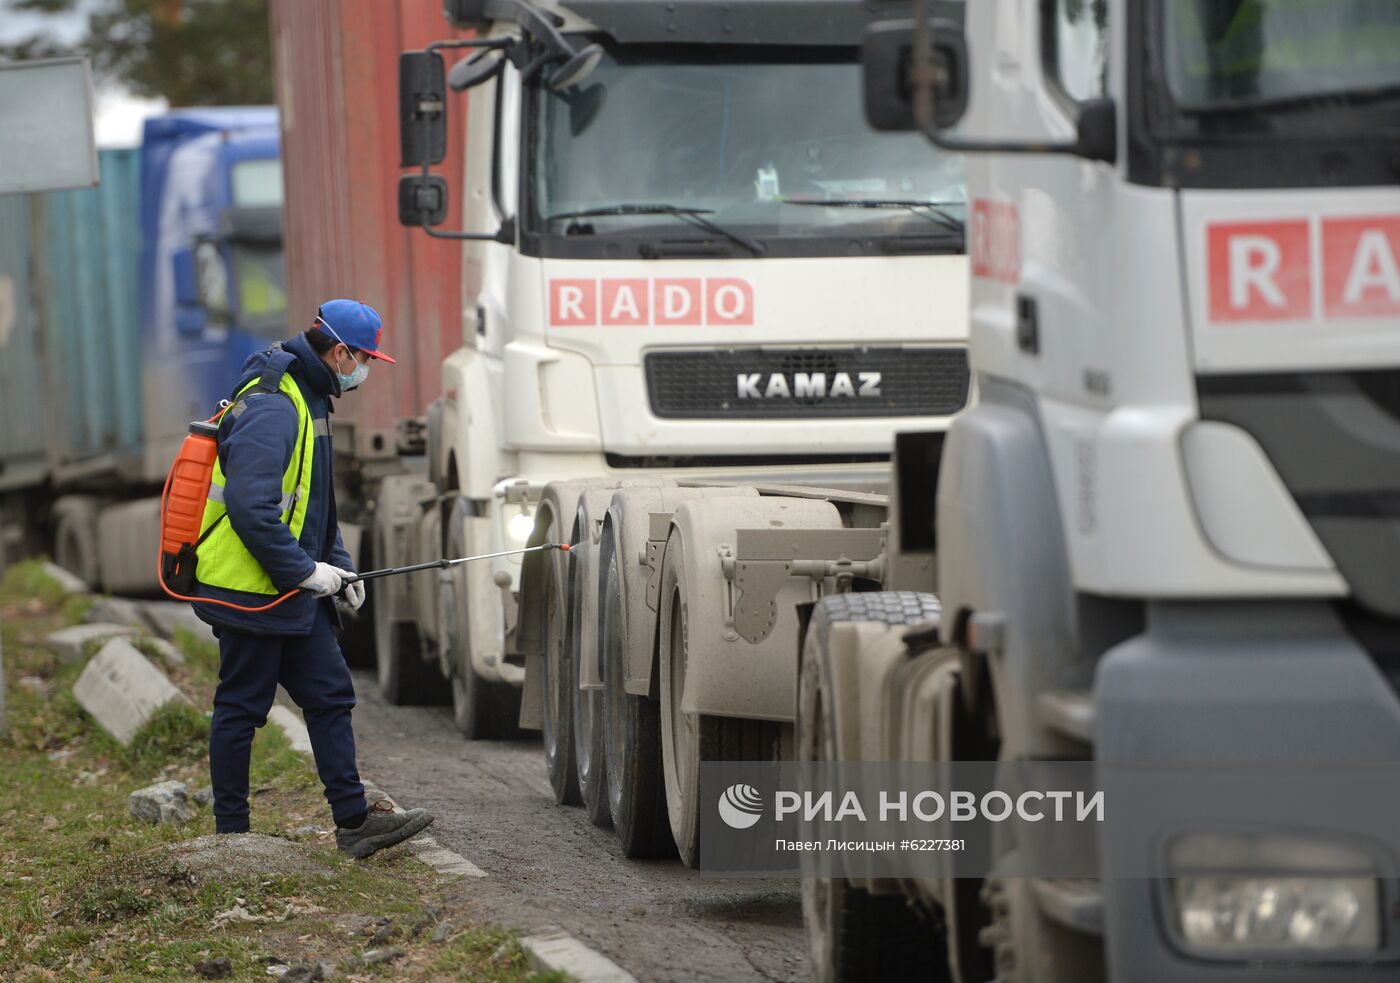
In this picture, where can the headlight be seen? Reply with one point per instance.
(520, 527)
(1232, 916)
(1273, 896)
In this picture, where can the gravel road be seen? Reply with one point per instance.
(548, 866)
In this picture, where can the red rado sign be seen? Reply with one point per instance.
(641, 302)
(996, 240)
(1296, 269)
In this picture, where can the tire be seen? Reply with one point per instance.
(690, 738)
(590, 755)
(405, 679)
(75, 538)
(589, 752)
(482, 709)
(864, 936)
(853, 935)
(357, 633)
(631, 739)
(556, 714)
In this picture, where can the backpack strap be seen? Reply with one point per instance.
(271, 378)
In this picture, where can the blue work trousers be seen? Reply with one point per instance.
(314, 673)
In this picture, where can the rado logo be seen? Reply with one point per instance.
(807, 385)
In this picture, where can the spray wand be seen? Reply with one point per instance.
(444, 564)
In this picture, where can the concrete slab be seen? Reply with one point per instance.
(167, 651)
(122, 689)
(71, 644)
(66, 579)
(115, 611)
(168, 617)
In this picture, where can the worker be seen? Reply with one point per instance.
(270, 527)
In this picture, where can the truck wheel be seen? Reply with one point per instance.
(404, 677)
(589, 753)
(853, 935)
(689, 738)
(485, 710)
(75, 537)
(557, 713)
(482, 709)
(357, 635)
(632, 740)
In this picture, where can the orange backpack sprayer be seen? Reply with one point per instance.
(182, 514)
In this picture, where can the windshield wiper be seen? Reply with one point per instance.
(694, 216)
(931, 210)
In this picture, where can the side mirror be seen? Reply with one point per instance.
(211, 279)
(1096, 136)
(576, 68)
(474, 70)
(186, 280)
(900, 88)
(422, 198)
(422, 108)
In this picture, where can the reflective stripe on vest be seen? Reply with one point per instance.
(223, 559)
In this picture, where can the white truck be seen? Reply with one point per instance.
(1167, 527)
(699, 297)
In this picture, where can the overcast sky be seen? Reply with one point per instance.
(119, 113)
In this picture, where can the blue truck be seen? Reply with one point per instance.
(125, 311)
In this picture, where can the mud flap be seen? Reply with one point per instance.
(531, 716)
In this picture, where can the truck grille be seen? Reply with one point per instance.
(776, 384)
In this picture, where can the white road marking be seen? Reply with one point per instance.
(559, 951)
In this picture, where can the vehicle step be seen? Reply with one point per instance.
(1074, 902)
(1069, 712)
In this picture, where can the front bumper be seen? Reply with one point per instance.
(1243, 688)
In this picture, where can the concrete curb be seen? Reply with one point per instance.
(557, 950)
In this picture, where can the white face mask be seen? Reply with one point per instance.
(355, 379)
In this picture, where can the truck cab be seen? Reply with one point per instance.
(1163, 534)
(691, 257)
(213, 287)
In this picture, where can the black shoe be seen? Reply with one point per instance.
(382, 828)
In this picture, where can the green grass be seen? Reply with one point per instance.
(27, 579)
(87, 891)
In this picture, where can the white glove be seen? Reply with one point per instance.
(325, 580)
(355, 594)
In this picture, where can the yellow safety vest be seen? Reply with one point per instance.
(223, 559)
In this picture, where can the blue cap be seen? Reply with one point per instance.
(354, 324)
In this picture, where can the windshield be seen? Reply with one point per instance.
(257, 182)
(1296, 54)
(756, 147)
(261, 288)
